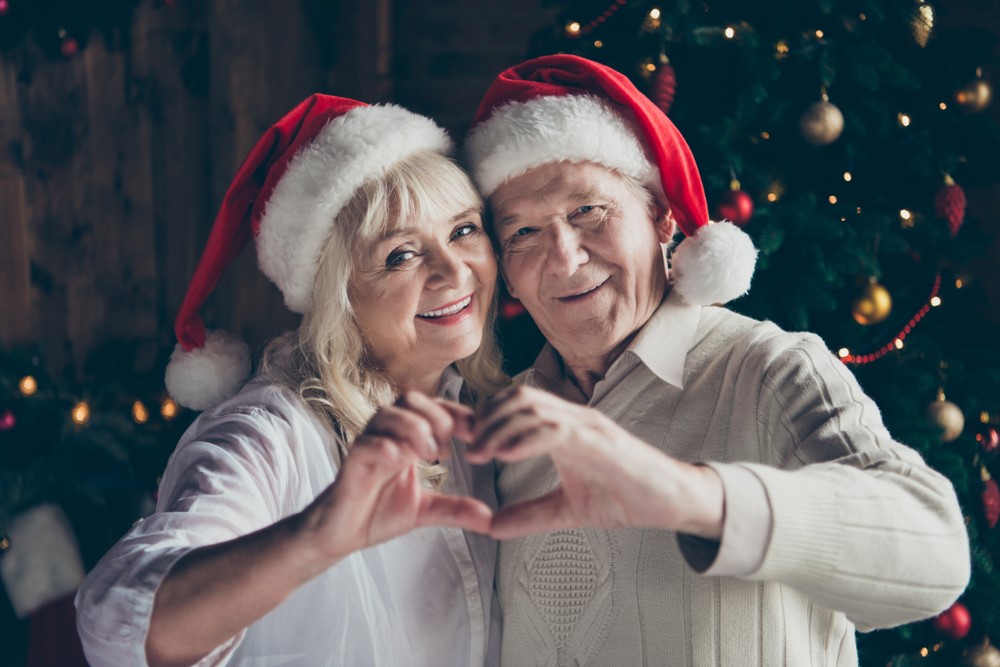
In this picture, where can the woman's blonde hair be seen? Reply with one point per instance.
(326, 360)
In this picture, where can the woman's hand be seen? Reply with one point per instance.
(378, 494)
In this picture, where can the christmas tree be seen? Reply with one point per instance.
(841, 136)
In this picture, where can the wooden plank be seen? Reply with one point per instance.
(16, 312)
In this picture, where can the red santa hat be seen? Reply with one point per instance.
(566, 108)
(285, 196)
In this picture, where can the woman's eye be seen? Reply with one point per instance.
(465, 230)
(398, 258)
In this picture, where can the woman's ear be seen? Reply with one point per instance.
(664, 222)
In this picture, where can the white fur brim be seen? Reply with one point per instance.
(353, 148)
(43, 562)
(573, 128)
(714, 266)
(204, 377)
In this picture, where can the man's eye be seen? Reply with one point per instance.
(523, 231)
(398, 258)
(584, 210)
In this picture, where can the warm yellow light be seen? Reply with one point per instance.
(168, 409)
(859, 210)
(765, 135)
(598, 43)
(650, 67)
(843, 352)
(924, 652)
(863, 17)
(843, 219)
(904, 214)
(28, 385)
(81, 413)
(139, 413)
(654, 13)
(772, 196)
(942, 106)
(904, 120)
(959, 284)
(984, 417)
(833, 199)
(936, 301)
(819, 34)
(899, 344)
(4, 543)
(730, 32)
(781, 48)
(847, 176)
(573, 28)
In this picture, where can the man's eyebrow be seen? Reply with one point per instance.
(506, 221)
(583, 195)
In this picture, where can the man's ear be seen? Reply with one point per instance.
(664, 221)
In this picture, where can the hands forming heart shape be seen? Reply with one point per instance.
(608, 477)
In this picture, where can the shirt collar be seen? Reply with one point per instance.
(662, 345)
(451, 383)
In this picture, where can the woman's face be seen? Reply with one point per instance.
(421, 295)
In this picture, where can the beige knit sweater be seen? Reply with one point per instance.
(863, 535)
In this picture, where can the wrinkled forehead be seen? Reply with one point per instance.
(554, 184)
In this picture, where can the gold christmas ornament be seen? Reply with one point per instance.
(822, 123)
(947, 416)
(922, 23)
(976, 95)
(984, 655)
(873, 306)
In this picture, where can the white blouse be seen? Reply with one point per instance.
(425, 598)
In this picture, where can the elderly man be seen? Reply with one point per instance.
(680, 485)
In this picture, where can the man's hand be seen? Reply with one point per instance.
(378, 494)
(609, 478)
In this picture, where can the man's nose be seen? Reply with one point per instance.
(566, 253)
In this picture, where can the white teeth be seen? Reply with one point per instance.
(450, 310)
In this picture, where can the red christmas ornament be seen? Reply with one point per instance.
(949, 203)
(991, 502)
(664, 85)
(736, 205)
(69, 47)
(511, 308)
(954, 622)
(988, 439)
(7, 421)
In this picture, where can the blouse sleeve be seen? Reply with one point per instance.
(224, 480)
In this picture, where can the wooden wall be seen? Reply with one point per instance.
(114, 162)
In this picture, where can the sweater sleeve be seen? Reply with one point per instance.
(222, 483)
(860, 523)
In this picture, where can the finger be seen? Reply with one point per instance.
(406, 427)
(518, 436)
(463, 419)
(440, 420)
(457, 511)
(540, 515)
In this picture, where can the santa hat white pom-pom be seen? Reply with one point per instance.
(208, 375)
(713, 266)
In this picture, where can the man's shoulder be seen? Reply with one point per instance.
(727, 331)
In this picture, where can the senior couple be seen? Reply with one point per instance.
(669, 484)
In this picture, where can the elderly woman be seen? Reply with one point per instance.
(312, 518)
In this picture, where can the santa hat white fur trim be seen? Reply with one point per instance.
(713, 266)
(574, 128)
(204, 377)
(353, 148)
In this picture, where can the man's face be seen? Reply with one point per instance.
(581, 250)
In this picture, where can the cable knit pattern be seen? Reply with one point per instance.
(862, 533)
(563, 580)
